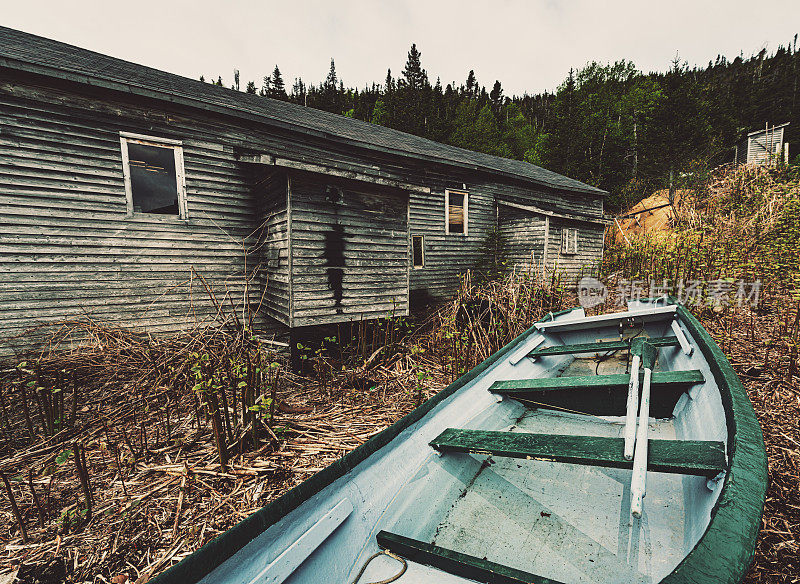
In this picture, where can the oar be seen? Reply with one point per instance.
(633, 400)
(638, 482)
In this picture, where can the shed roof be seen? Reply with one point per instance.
(27, 52)
(770, 129)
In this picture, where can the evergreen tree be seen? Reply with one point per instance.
(277, 88)
(472, 84)
(299, 91)
(560, 155)
(412, 106)
(266, 86)
(414, 76)
(251, 87)
(496, 97)
(330, 98)
(388, 85)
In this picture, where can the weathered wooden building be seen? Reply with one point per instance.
(126, 191)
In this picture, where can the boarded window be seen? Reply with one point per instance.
(456, 206)
(418, 251)
(153, 176)
(569, 241)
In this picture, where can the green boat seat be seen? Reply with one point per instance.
(661, 379)
(598, 395)
(688, 457)
(599, 347)
(456, 563)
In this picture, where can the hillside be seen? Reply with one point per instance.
(732, 253)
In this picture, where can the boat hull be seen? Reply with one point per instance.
(326, 528)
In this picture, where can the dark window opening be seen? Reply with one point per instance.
(154, 184)
(455, 213)
(417, 251)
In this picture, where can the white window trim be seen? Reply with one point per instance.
(447, 211)
(180, 174)
(422, 244)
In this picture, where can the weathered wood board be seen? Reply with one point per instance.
(689, 457)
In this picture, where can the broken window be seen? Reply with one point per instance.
(417, 251)
(455, 211)
(569, 241)
(153, 169)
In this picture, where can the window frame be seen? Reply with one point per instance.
(566, 232)
(447, 211)
(422, 251)
(180, 174)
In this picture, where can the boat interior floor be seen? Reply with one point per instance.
(562, 522)
(568, 522)
(565, 522)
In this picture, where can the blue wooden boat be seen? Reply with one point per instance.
(614, 448)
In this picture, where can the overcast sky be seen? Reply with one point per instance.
(529, 46)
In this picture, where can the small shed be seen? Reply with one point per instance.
(127, 194)
(764, 146)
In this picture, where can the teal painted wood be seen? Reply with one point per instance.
(453, 562)
(689, 457)
(661, 379)
(599, 347)
(725, 551)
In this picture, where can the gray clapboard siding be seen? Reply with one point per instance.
(448, 256)
(273, 249)
(590, 248)
(66, 247)
(522, 236)
(349, 251)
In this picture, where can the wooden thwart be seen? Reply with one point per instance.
(599, 347)
(661, 379)
(689, 457)
(456, 563)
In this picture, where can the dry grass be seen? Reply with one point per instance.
(158, 490)
(154, 507)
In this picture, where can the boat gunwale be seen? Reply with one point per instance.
(722, 554)
(725, 551)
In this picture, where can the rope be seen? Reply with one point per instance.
(372, 557)
(549, 406)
